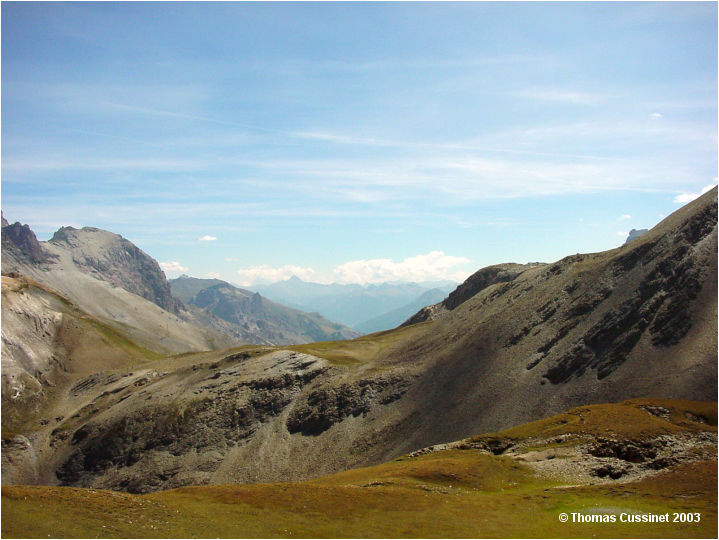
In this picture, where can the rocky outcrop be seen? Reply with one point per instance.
(139, 433)
(474, 284)
(22, 242)
(328, 406)
(31, 320)
(634, 234)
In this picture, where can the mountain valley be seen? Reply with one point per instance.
(112, 380)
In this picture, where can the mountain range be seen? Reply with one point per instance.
(256, 314)
(96, 269)
(93, 396)
(397, 316)
(365, 308)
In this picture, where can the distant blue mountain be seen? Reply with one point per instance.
(394, 318)
(351, 304)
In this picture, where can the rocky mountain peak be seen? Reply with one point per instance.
(101, 254)
(118, 261)
(22, 242)
(63, 234)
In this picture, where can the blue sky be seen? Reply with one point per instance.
(356, 141)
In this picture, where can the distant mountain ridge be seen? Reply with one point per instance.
(349, 304)
(278, 324)
(396, 317)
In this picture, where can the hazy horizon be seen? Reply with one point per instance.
(356, 142)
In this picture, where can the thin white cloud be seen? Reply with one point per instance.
(684, 198)
(435, 265)
(161, 112)
(626, 216)
(655, 116)
(429, 64)
(560, 96)
(207, 238)
(622, 233)
(268, 274)
(83, 163)
(173, 267)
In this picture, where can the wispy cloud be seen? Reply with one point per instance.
(268, 274)
(207, 238)
(394, 64)
(626, 216)
(432, 266)
(435, 265)
(161, 112)
(149, 111)
(655, 116)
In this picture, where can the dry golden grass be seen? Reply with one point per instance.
(626, 419)
(362, 350)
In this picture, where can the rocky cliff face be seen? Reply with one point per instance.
(112, 258)
(30, 322)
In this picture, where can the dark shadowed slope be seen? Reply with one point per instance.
(634, 321)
